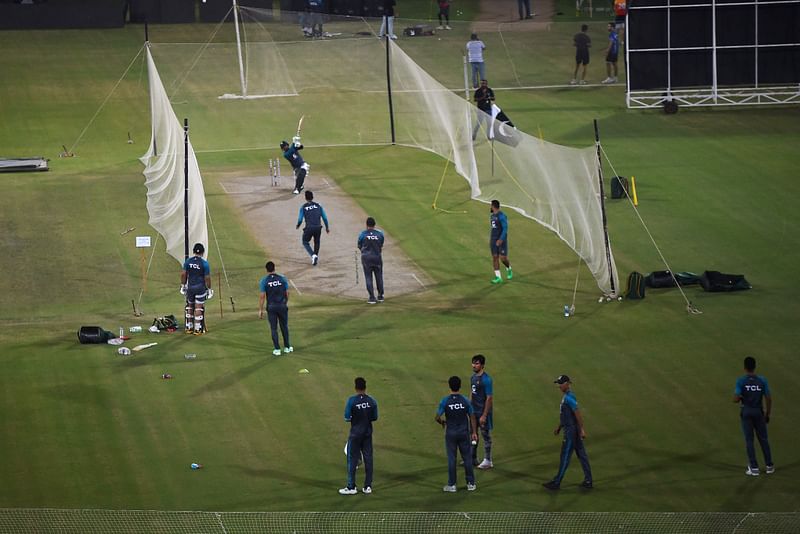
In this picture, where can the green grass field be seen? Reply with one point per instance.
(84, 428)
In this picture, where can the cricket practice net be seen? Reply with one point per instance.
(45, 521)
(268, 67)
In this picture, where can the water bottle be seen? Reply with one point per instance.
(190, 356)
(566, 310)
(196, 466)
(121, 331)
(135, 329)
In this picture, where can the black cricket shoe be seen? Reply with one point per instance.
(587, 484)
(552, 485)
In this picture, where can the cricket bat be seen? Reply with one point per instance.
(137, 348)
(300, 125)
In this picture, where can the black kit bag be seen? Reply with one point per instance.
(619, 187)
(93, 334)
(715, 282)
(636, 286)
(658, 279)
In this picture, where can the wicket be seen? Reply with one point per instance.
(275, 171)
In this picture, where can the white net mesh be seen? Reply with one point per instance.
(47, 521)
(164, 175)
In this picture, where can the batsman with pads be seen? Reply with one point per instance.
(292, 155)
(196, 286)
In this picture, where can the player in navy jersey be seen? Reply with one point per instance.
(275, 294)
(751, 390)
(370, 243)
(498, 241)
(314, 214)
(571, 422)
(456, 415)
(299, 166)
(360, 411)
(196, 285)
(482, 399)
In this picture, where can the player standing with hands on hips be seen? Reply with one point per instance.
(571, 422)
(314, 214)
(751, 390)
(275, 294)
(498, 241)
(196, 286)
(360, 411)
(459, 422)
(299, 166)
(482, 399)
(370, 243)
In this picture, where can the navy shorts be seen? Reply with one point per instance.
(611, 58)
(582, 56)
(502, 250)
(196, 295)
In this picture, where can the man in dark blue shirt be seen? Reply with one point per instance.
(360, 411)
(571, 422)
(751, 390)
(498, 241)
(299, 166)
(275, 294)
(196, 285)
(314, 214)
(460, 424)
(370, 243)
(482, 399)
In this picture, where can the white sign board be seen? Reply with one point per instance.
(142, 241)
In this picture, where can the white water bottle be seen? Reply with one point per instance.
(121, 331)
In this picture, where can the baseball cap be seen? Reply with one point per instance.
(562, 379)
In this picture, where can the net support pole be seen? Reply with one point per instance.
(466, 95)
(186, 188)
(239, 47)
(147, 46)
(389, 76)
(603, 209)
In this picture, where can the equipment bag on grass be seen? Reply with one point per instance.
(619, 187)
(93, 334)
(636, 286)
(168, 322)
(715, 281)
(658, 279)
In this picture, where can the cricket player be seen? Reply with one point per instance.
(360, 411)
(314, 215)
(299, 166)
(571, 422)
(498, 241)
(370, 243)
(275, 294)
(460, 424)
(196, 286)
(482, 399)
(751, 390)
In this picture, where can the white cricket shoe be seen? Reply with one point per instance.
(485, 464)
(770, 469)
(287, 350)
(296, 192)
(448, 28)
(314, 259)
(608, 80)
(449, 489)
(573, 81)
(348, 491)
(752, 471)
(471, 487)
(439, 27)
(367, 490)
(394, 36)
(276, 352)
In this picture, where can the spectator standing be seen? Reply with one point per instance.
(444, 15)
(582, 43)
(387, 24)
(612, 53)
(475, 48)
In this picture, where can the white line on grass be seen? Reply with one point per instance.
(418, 280)
(295, 287)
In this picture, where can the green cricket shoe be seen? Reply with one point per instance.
(509, 274)
(497, 280)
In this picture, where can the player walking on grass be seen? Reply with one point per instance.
(196, 286)
(498, 241)
(275, 294)
(314, 214)
(751, 390)
(482, 399)
(360, 411)
(299, 166)
(370, 243)
(571, 422)
(459, 422)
